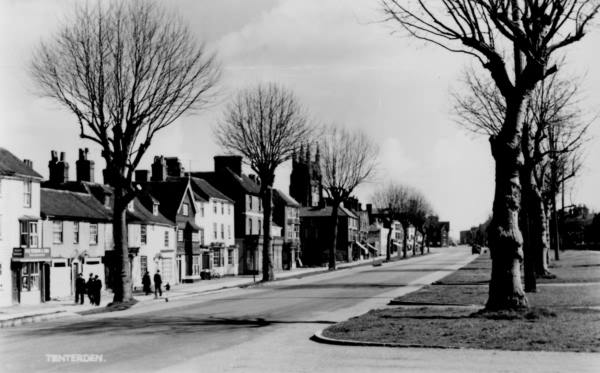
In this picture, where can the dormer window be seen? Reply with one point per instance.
(106, 201)
(130, 206)
(155, 209)
(185, 209)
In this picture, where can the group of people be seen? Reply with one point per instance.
(157, 284)
(93, 288)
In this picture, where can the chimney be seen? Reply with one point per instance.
(370, 209)
(142, 175)
(59, 170)
(28, 163)
(174, 167)
(159, 169)
(84, 167)
(233, 162)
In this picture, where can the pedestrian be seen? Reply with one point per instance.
(97, 290)
(157, 283)
(146, 282)
(79, 288)
(167, 289)
(90, 288)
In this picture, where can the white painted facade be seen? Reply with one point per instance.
(156, 252)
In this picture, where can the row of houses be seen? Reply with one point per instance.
(182, 224)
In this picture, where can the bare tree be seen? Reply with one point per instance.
(534, 30)
(553, 129)
(348, 159)
(126, 71)
(265, 125)
(391, 200)
(420, 209)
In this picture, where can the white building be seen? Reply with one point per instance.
(24, 261)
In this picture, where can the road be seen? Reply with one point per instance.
(263, 329)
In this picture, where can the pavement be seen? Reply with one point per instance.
(25, 314)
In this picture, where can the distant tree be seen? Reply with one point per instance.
(126, 70)
(431, 223)
(348, 159)
(534, 31)
(419, 210)
(391, 201)
(265, 125)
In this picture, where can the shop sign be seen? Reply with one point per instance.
(31, 253)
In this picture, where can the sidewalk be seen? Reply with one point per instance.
(21, 314)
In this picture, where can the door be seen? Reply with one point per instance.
(16, 275)
(46, 286)
(74, 274)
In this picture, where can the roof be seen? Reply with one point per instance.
(247, 184)
(141, 214)
(72, 205)
(207, 191)
(314, 212)
(169, 193)
(281, 197)
(11, 165)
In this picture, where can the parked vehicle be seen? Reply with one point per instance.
(475, 249)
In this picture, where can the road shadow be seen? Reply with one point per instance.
(165, 325)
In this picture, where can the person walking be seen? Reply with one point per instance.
(90, 288)
(146, 282)
(79, 288)
(97, 290)
(157, 284)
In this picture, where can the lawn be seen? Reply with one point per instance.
(555, 324)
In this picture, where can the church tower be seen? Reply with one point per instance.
(306, 177)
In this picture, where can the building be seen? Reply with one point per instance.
(360, 249)
(305, 179)
(244, 190)
(286, 214)
(24, 259)
(379, 229)
(437, 234)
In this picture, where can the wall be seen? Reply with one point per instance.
(210, 217)
(155, 237)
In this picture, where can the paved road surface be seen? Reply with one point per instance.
(264, 329)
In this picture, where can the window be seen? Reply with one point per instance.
(29, 234)
(76, 232)
(228, 209)
(217, 258)
(229, 231)
(195, 237)
(30, 276)
(155, 209)
(180, 235)
(27, 193)
(196, 265)
(296, 213)
(230, 257)
(249, 226)
(144, 235)
(106, 201)
(215, 231)
(167, 269)
(250, 202)
(201, 209)
(296, 231)
(201, 236)
(222, 209)
(57, 230)
(215, 207)
(222, 231)
(185, 209)
(259, 227)
(93, 234)
(259, 204)
(144, 264)
(290, 231)
(166, 239)
(290, 212)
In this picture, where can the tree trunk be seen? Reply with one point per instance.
(423, 243)
(388, 254)
(505, 239)
(332, 249)
(527, 183)
(539, 232)
(404, 241)
(267, 195)
(122, 279)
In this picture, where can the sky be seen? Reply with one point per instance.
(345, 67)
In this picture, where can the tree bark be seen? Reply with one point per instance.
(505, 239)
(423, 243)
(388, 255)
(539, 232)
(404, 241)
(122, 287)
(268, 272)
(332, 248)
(527, 183)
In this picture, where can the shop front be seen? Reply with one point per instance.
(30, 269)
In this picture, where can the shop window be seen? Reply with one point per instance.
(27, 193)
(29, 234)
(143, 264)
(144, 235)
(76, 232)
(217, 258)
(93, 234)
(57, 230)
(196, 265)
(60, 264)
(30, 276)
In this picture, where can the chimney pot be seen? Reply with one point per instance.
(62, 156)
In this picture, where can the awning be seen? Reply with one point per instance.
(29, 218)
(371, 248)
(364, 249)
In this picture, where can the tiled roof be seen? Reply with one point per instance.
(11, 165)
(206, 190)
(279, 196)
(141, 214)
(310, 212)
(247, 184)
(72, 205)
(169, 193)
